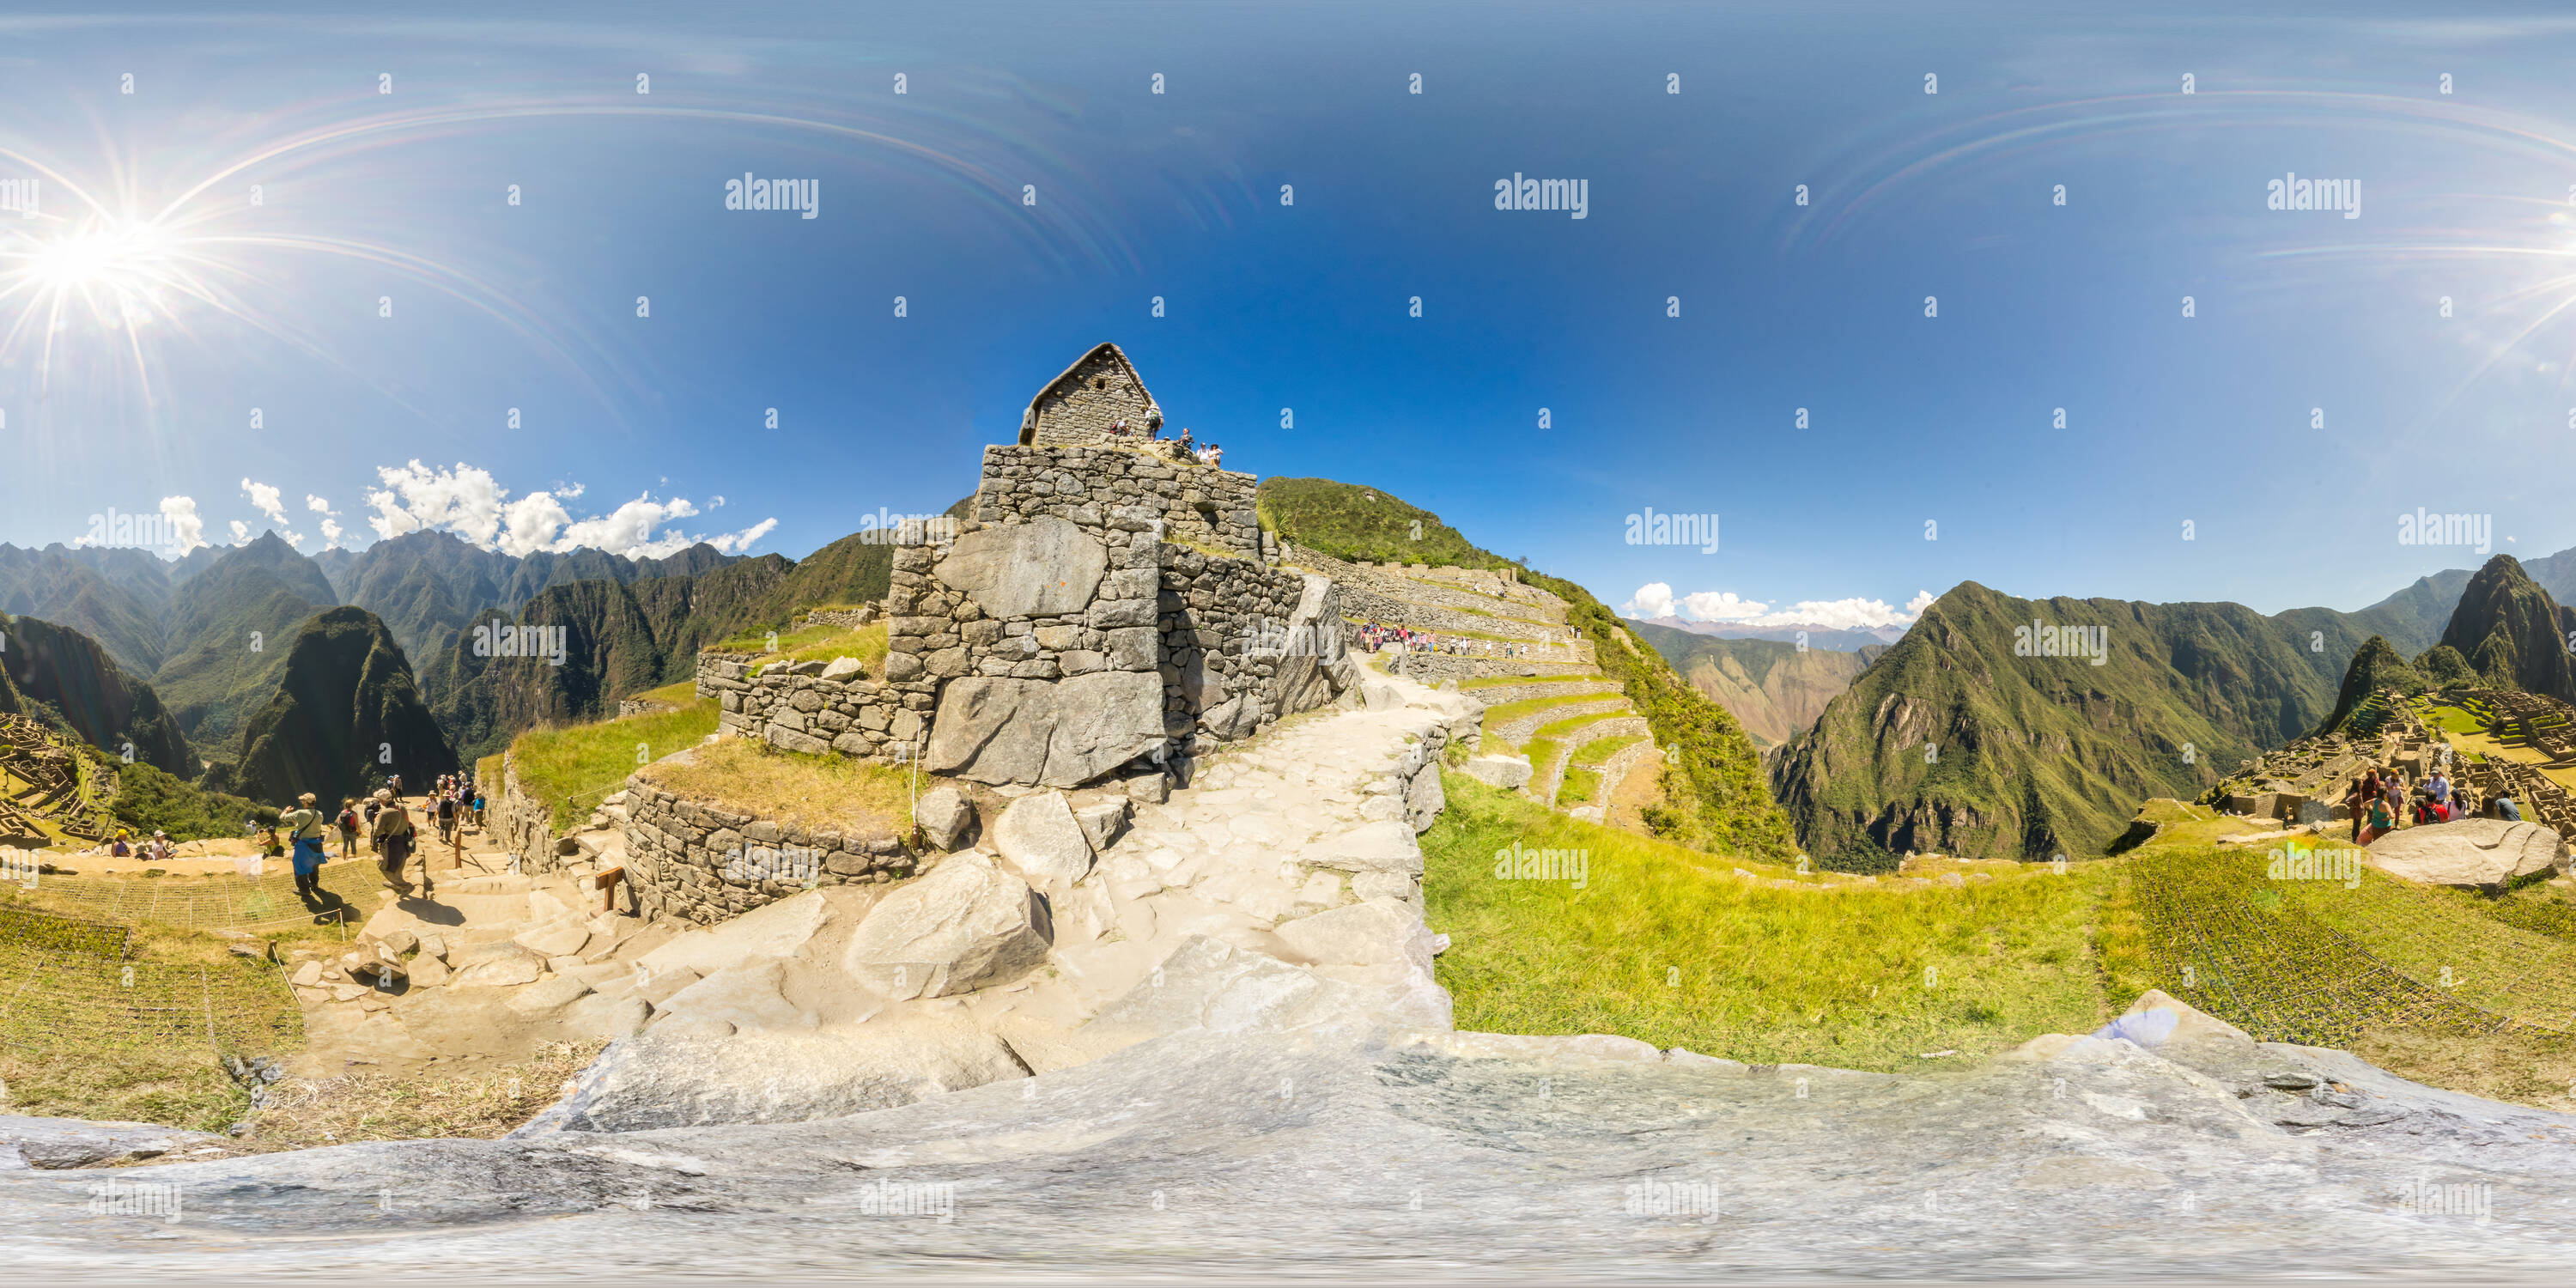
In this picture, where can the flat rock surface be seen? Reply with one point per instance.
(1369, 1156)
(2477, 852)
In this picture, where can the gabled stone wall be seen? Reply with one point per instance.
(1103, 488)
(1098, 392)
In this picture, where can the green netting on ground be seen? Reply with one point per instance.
(224, 902)
(76, 1001)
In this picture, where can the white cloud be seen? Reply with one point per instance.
(319, 506)
(472, 504)
(187, 530)
(264, 498)
(1656, 599)
(241, 533)
(331, 531)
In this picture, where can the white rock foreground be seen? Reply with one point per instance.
(1223, 1050)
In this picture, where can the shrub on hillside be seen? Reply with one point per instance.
(148, 800)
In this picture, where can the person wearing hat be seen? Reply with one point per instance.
(303, 826)
(393, 835)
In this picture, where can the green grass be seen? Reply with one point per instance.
(1563, 727)
(1498, 716)
(1368, 525)
(1509, 681)
(573, 767)
(1667, 945)
(1578, 787)
(804, 644)
(1600, 750)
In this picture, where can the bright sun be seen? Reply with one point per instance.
(115, 257)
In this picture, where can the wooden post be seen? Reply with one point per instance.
(606, 883)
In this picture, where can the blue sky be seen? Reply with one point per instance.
(368, 197)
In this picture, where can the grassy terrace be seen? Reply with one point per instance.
(575, 767)
(1668, 945)
(807, 791)
(1505, 713)
(1509, 681)
(815, 644)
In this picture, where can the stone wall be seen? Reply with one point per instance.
(524, 823)
(1474, 589)
(1103, 489)
(1434, 668)
(1237, 651)
(853, 618)
(796, 709)
(701, 862)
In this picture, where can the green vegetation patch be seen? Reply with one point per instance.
(573, 767)
(1578, 787)
(1362, 524)
(1600, 750)
(148, 800)
(1663, 944)
(1511, 681)
(856, 796)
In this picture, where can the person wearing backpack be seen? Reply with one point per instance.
(447, 816)
(394, 837)
(348, 822)
(303, 826)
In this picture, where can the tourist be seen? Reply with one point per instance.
(2377, 825)
(394, 836)
(303, 826)
(2365, 789)
(446, 814)
(2505, 809)
(269, 846)
(2438, 787)
(1187, 449)
(1118, 428)
(1216, 455)
(478, 807)
(120, 849)
(348, 822)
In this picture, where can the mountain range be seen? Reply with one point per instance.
(2011, 728)
(1775, 689)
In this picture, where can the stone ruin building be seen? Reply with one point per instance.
(1084, 403)
(1106, 610)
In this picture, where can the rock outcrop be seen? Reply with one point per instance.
(2474, 853)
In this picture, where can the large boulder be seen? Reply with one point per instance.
(1061, 734)
(2474, 853)
(1299, 683)
(671, 1077)
(1043, 568)
(1233, 719)
(1041, 837)
(1510, 773)
(992, 730)
(1102, 721)
(967, 924)
(945, 816)
(1424, 798)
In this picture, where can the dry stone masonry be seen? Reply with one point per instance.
(700, 861)
(1115, 487)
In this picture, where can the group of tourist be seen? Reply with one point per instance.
(1210, 454)
(156, 850)
(2381, 798)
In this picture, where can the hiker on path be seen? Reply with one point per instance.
(348, 823)
(394, 838)
(303, 826)
(446, 815)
